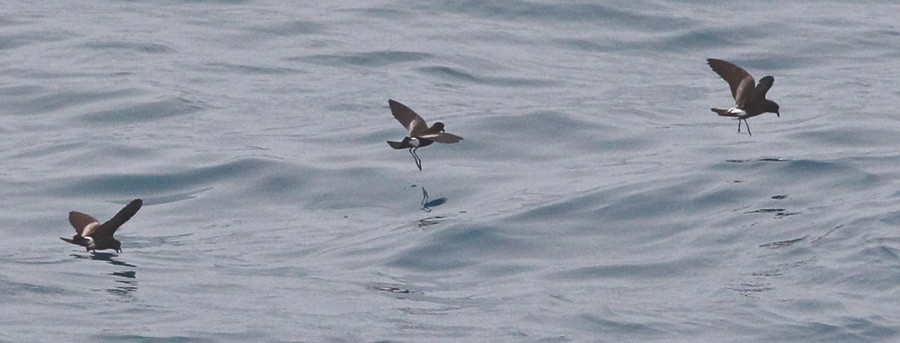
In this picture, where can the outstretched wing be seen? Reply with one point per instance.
(409, 119)
(743, 87)
(763, 87)
(80, 221)
(109, 227)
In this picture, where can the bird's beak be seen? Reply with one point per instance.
(778, 114)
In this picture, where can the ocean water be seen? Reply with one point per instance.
(595, 197)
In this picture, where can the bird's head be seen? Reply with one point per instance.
(772, 106)
(438, 127)
(117, 246)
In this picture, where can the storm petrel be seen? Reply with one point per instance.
(95, 236)
(749, 98)
(420, 135)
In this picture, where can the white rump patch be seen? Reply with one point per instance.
(737, 111)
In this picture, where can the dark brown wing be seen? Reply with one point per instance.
(743, 87)
(763, 87)
(80, 220)
(409, 119)
(109, 227)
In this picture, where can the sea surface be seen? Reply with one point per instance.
(594, 198)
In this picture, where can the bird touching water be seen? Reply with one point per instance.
(95, 236)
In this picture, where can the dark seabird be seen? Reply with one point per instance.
(420, 135)
(95, 236)
(749, 97)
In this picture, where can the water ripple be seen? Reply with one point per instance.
(452, 74)
(368, 59)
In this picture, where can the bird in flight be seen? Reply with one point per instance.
(420, 135)
(749, 97)
(94, 236)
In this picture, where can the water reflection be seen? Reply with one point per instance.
(429, 221)
(427, 203)
(126, 280)
(766, 159)
(124, 287)
(105, 256)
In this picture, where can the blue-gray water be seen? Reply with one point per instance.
(595, 196)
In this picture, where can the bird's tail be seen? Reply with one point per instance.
(400, 145)
(77, 240)
(723, 112)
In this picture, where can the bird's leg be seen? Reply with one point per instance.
(418, 159)
(748, 127)
(739, 125)
(412, 151)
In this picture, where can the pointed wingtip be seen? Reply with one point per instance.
(717, 64)
(134, 205)
(110, 226)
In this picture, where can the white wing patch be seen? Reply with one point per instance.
(89, 230)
